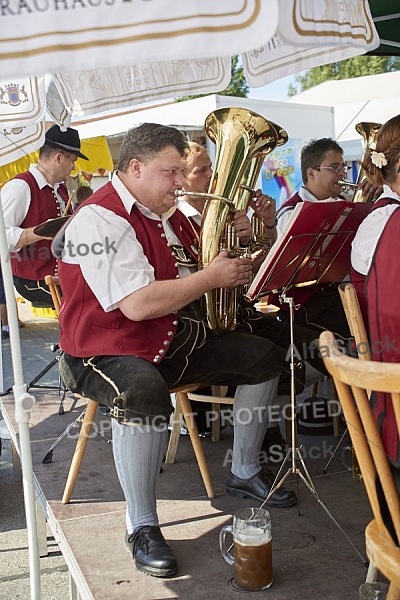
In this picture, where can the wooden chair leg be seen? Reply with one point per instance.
(394, 592)
(216, 423)
(336, 414)
(175, 433)
(196, 443)
(79, 450)
(314, 389)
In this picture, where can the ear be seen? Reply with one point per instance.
(135, 167)
(310, 174)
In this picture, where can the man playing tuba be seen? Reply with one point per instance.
(197, 175)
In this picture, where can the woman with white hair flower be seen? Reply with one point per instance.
(382, 167)
(382, 292)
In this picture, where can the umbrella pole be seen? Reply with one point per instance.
(24, 403)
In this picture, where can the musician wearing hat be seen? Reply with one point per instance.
(32, 198)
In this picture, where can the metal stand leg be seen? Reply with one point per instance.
(31, 384)
(294, 452)
(49, 456)
(335, 450)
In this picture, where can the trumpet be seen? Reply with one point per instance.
(350, 185)
(347, 185)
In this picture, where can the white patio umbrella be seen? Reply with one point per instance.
(109, 54)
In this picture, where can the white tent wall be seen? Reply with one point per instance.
(302, 122)
(374, 98)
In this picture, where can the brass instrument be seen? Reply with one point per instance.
(347, 185)
(369, 132)
(179, 193)
(240, 135)
(259, 235)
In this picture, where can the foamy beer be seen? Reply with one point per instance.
(252, 548)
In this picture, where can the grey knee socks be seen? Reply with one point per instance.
(250, 418)
(138, 454)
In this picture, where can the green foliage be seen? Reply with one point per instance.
(357, 66)
(237, 86)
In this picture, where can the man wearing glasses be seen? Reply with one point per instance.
(322, 167)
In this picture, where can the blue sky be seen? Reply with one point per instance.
(276, 90)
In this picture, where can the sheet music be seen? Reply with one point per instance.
(315, 247)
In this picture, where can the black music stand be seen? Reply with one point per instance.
(315, 249)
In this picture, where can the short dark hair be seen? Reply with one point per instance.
(144, 141)
(314, 153)
(47, 151)
(83, 192)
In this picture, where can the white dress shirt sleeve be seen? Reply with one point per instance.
(367, 236)
(110, 256)
(15, 200)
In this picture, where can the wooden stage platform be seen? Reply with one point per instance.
(312, 557)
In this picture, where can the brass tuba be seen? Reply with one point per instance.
(259, 235)
(240, 135)
(369, 132)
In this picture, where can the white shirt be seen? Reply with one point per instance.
(16, 199)
(107, 250)
(369, 232)
(283, 220)
(189, 211)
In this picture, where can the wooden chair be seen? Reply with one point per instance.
(351, 306)
(217, 398)
(183, 409)
(353, 378)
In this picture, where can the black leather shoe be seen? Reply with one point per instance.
(151, 552)
(258, 487)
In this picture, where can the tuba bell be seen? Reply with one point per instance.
(259, 235)
(240, 136)
(369, 132)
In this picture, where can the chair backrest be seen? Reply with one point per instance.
(352, 379)
(54, 286)
(351, 306)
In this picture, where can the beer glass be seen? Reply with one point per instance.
(252, 548)
(373, 591)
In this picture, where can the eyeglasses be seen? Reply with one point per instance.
(336, 168)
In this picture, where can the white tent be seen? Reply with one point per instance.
(374, 98)
(300, 121)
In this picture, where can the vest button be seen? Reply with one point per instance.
(159, 225)
(177, 276)
(166, 343)
(175, 323)
(157, 358)
(163, 235)
(161, 351)
(170, 333)
(176, 265)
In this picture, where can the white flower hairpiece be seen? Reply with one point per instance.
(378, 159)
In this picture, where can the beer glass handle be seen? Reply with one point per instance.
(225, 553)
(347, 457)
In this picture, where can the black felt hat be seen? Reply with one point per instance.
(66, 140)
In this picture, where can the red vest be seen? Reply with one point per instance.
(357, 279)
(36, 260)
(195, 225)
(85, 329)
(382, 290)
